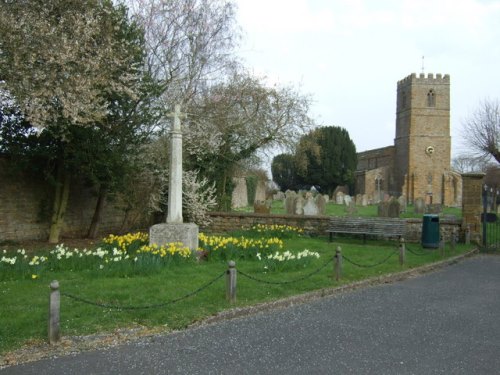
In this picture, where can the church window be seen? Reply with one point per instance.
(403, 100)
(431, 98)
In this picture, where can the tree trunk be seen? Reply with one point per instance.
(96, 218)
(60, 204)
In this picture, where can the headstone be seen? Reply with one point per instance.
(358, 199)
(279, 196)
(402, 203)
(260, 191)
(309, 194)
(339, 198)
(239, 197)
(175, 230)
(419, 206)
(290, 204)
(326, 197)
(351, 208)
(262, 207)
(393, 207)
(347, 200)
(383, 209)
(364, 200)
(310, 208)
(299, 205)
(321, 203)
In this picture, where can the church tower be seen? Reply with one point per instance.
(423, 143)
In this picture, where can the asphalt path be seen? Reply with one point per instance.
(445, 322)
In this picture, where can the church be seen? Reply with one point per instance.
(418, 165)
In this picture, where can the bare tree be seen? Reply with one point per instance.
(189, 43)
(481, 131)
(469, 164)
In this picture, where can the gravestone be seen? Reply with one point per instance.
(351, 208)
(239, 197)
(359, 198)
(402, 203)
(290, 203)
(299, 205)
(339, 198)
(326, 197)
(393, 207)
(262, 207)
(321, 203)
(310, 208)
(383, 209)
(347, 200)
(175, 230)
(364, 200)
(260, 191)
(419, 206)
(279, 196)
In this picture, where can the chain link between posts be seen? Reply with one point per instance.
(369, 265)
(143, 307)
(288, 281)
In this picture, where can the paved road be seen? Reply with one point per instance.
(447, 322)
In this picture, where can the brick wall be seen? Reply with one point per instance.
(26, 202)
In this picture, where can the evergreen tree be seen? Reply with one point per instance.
(326, 157)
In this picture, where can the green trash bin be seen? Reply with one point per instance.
(430, 231)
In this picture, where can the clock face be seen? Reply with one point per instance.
(429, 150)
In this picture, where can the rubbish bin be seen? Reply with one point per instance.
(430, 231)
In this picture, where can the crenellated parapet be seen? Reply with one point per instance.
(423, 79)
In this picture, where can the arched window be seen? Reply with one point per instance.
(431, 98)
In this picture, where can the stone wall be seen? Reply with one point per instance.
(223, 222)
(472, 201)
(26, 202)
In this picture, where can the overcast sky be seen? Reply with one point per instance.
(349, 55)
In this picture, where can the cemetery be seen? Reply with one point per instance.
(132, 197)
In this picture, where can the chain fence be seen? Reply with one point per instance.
(143, 307)
(369, 265)
(287, 281)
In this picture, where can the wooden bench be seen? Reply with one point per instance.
(375, 226)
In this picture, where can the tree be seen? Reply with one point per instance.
(284, 172)
(469, 164)
(68, 65)
(234, 120)
(188, 44)
(481, 131)
(326, 157)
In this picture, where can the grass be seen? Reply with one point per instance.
(333, 209)
(24, 302)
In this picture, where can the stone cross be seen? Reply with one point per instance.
(174, 214)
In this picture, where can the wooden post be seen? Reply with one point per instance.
(453, 241)
(467, 235)
(441, 246)
(402, 252)
(231, 282)
(338, 263)
(54, 310)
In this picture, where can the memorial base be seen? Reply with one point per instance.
(164, 233)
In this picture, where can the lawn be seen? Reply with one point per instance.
(154, 280)
(333, 209)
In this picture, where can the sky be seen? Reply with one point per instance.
(350, 54)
